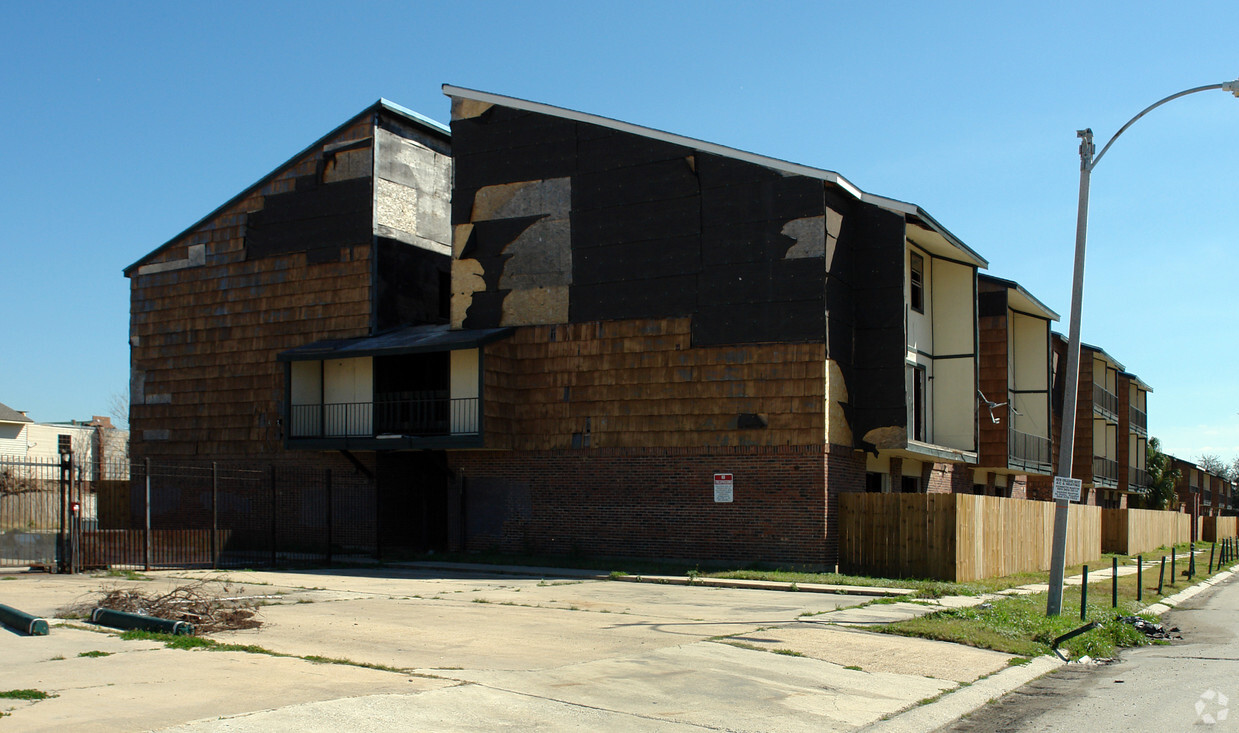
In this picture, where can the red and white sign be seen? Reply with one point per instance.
(723, 488)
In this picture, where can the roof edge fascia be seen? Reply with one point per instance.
(1013, 285)
(649, 132)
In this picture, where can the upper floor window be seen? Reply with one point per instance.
(916, 281)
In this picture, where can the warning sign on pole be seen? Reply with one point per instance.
(1067, 488)
(723, 486)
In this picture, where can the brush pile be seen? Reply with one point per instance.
(209, 605)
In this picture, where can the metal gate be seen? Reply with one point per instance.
(40, 509)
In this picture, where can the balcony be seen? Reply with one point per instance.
(1029, 452)
(1105, 472)
(1139, 421)
(1105, 402)
(1137, 479)
(429, 415)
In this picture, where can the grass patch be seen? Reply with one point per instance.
(25, 694)
(854, 668)
(787, 652)
(95, 654)
(1019, 626)
(125, 574)
(197, 642)
(366, 665)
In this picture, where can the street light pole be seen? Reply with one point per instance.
(1066, 450)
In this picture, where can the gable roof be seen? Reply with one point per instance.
(8, 414)
(1025, 300)
(382, 105)
(915, 214)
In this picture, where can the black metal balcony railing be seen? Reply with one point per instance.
(413, 417)
(1027, 450)
(1105, 470)
(1137, 478)
(1105, 401)
(1139, 421)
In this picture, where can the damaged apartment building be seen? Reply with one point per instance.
(549, 331)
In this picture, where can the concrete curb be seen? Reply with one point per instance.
(964, 700)
(1170, 602)
(853, 590)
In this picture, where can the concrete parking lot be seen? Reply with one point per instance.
(456, 650)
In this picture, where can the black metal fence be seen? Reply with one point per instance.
(162, 514)
(33, 509)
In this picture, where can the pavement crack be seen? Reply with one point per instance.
(583, 706)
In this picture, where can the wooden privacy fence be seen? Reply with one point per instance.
(1213, 529)
(957, 537)
(1132, 531)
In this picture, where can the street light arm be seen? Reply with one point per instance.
(1230, 86)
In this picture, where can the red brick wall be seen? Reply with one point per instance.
(949, 478)
(659, 503)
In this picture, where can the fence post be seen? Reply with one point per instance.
(1114, 582)
(1212, 549)
(1173, 556)
(1139, 578)
(1084, 594)
(1191, 560)
(214, 514)
(146, 555)
(1162, 576)
(327, 483)
(273, 526)
(63, 562)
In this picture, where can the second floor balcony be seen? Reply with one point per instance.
(1137, 479)
(1139, 421)
(1029, 452)
(1105, 402)
(426, 415)
(1105, 471)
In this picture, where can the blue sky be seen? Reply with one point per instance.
(127, 122)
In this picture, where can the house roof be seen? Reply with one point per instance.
(935, 235)
(1022, 300)
(8, 414)
(407, 340)
(1095, 349)
(420, 120)
(1139, 382)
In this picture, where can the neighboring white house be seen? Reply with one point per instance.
(98, 447)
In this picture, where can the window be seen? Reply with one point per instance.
(911, 484)
(875, 483)
(916, 282)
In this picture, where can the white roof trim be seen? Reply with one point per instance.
(734, 153)
(688, 142)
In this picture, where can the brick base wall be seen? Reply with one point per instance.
(949, 478)
(659, 503)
